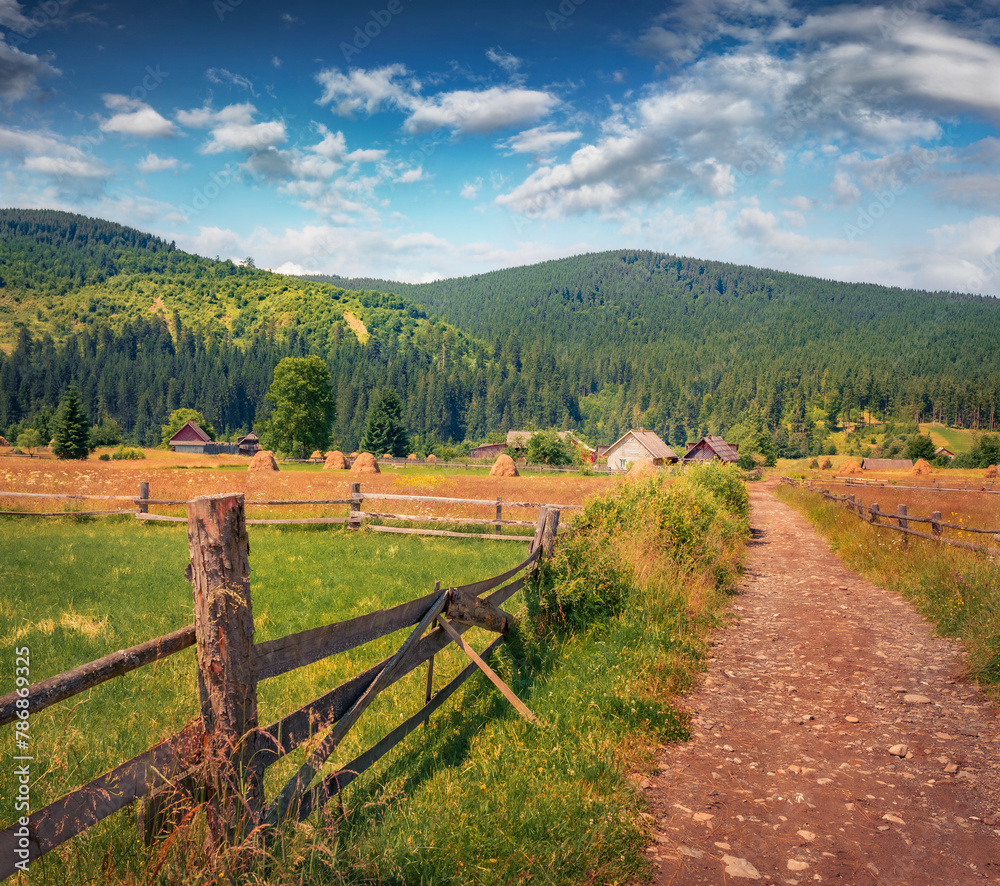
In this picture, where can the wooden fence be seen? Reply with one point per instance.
(901, 520)
(355, 517)
(227, 748)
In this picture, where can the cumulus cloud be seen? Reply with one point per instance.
(232, 129)
(369, 90)
(540, 140)
(135, 118)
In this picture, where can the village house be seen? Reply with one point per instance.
(634, 445)
(711, 447)
(488, 450)
(886, 464)
(947, 453)
(189, 438)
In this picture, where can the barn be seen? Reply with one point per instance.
(488, 450)
(248, 445)
(708, 448)
(189, 438)
(886, 464)
(634, 445)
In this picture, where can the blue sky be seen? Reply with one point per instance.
(411, 140)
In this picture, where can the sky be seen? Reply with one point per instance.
(413, 140)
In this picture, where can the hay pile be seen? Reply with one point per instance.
(504, 467)
(641, 468)
(365, 464)
(922, 468)
(412, 456)
(431, 458)
(3, 441)
(992, 472)
(335, 461)
(263, 460)
(826, 465)
(316, 456)
(849, 468)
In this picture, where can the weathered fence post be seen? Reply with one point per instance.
(543, 514)
(144, 495)
(354, 519)
(903, 523)
(227, 681)
(496, 531)
(936, 523)
(874, 513)
(429, 693)
(549, 534)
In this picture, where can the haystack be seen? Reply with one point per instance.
(263, 460)
(3, 441)
(504, 467)
(412, 456)
(431, 458)
(849, 468)
(365, 464)
(335, 461)
(922, 468)
(826, 465)
(992, 472)
(641, 467)
(316, 456)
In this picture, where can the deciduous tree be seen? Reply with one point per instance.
(302, 407)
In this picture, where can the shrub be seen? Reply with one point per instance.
(123, 453)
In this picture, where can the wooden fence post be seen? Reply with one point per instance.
(354, 519)
(874, 513)
(499, 515)
(903, 523)
(936, 523)
(850, 503)
(551, 528)
(543, 515)
(143, 494)
(227, 681)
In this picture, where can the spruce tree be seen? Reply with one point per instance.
(70, 427)
(384, 429)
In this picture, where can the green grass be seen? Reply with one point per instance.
(958, 440)
(479, 796)
(957, 591)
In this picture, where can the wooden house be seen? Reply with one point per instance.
(711, 447)
(190, 438)
(947, 453)
(886, 464)
(634, 445)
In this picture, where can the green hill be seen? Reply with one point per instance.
(598, 342)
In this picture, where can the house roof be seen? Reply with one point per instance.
(249, 438)
(722, 449)
(649, 440)
(942, 451)
(886, 464)
(189, 432)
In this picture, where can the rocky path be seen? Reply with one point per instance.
(834, 741)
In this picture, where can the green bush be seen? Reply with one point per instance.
(124, 453)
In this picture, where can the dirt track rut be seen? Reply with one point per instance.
(793, 774)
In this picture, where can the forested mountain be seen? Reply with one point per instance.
(599, 342)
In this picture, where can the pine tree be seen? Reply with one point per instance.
(384, 429)
(70, 427)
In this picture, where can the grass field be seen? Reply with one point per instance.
(478, 797)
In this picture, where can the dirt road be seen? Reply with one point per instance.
(834, 740)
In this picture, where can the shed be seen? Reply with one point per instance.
(488, 450)
(947, 453)
(886, 464)
(634, 445)
(249, 445)
(190, 438)
(711, 447)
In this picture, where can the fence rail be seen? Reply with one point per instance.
(874, 515)
(230, 666)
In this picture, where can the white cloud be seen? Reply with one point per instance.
(540, 140)
(479, 112)
(50, 154)
(470, 190)
(153, 163)
(365, 90)
(412, 175)
(503, 59)
(221, 76)
(135, 118)
(232, 129)
(12, 17)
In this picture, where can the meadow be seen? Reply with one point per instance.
(478, 796)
